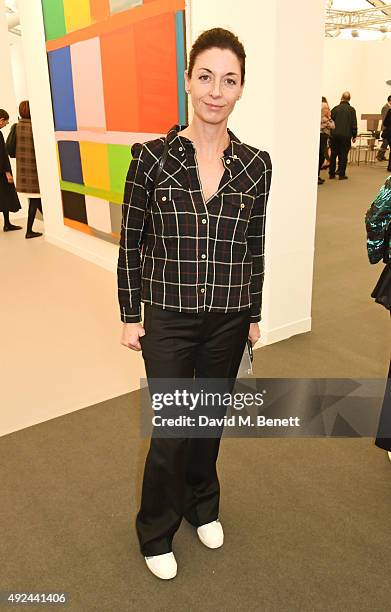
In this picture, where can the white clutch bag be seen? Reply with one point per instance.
(246, 364)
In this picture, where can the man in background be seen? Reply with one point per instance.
(345, 131)
(381, 156)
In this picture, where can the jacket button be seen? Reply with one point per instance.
(203, 221)
(203, 255)
(202, 290)
(228, 161)
(164, 198)
(241, 205)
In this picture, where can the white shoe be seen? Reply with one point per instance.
(389, 455)
(163, 566)
(211, 534)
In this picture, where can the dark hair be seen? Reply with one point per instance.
(389, 98)
(4, 114)
(220, 39)
(24, 109)
(324, 99)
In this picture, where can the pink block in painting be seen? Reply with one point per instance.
(88, 85)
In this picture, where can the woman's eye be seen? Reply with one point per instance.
(231, 82)
(204, 77)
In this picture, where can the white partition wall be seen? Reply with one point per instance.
(278, 112)
(362, 67)
(298, 48)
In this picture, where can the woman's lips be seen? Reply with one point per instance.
(213, 106)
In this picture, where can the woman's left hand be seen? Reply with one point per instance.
(254, 334)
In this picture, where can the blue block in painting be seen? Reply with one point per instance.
(180, 65)
(70, 162)
(60, 69)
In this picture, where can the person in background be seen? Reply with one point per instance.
(9, 201)
(326, 125)
(377, 220)
(26, 167)
(345, 119)
(381, 156)
(386, 134)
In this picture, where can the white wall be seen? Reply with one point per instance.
(18, 67)
(361, 67)
(279, 69)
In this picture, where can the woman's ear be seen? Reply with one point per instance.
(187, 82)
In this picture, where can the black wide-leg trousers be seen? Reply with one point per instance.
(180, 476)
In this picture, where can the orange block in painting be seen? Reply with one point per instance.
(156, 69)
(100, 9)
(81, 227)
(118, 55)
(139, 76)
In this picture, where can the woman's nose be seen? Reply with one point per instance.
(216, 89)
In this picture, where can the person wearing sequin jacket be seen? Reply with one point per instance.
(377, 219)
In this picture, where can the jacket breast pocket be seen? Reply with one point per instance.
(169, 206)
(238, 205)
(238, 202)
(235, 212)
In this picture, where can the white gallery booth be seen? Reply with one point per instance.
(273, 79)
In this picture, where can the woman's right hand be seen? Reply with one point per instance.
(131, 332)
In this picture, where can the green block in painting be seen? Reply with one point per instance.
(53, 17)
(119, 160)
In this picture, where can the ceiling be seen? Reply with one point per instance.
(358, 19)
(345, 19)
(349, 5)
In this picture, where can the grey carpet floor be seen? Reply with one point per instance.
(306, 521)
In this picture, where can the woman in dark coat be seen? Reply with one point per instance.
(377, 219)
(9, 201)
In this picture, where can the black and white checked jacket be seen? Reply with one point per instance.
(182, 253)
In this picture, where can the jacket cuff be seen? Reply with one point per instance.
(255, 318)
(130, 317)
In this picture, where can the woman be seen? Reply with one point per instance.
(9, 201)
(200, 278)
(326, 124)
(377, 220)
(26, 167)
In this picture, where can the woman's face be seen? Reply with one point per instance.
(3, 123)
(215, 85)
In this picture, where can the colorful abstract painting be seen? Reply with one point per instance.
(116, 75)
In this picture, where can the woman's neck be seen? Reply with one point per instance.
(207, 138)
